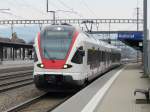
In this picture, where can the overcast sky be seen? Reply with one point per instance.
(36, 9)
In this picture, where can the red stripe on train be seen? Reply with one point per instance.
(56, 64)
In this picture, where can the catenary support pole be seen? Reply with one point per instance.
(146, 42)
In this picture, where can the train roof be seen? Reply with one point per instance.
(92, 38)
(60, 27)
(105, 44)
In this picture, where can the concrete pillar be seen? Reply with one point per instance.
(13, 53)
(31, 54)
(10, 53)
(23, 54)
(1, 53)
(5, 53)
(20, 53)
(28, 53)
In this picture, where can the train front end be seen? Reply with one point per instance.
(54, 52)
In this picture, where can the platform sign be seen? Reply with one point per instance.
(137, 36)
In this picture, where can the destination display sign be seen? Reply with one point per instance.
(130, 35)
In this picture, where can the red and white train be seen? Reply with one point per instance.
(66, 57)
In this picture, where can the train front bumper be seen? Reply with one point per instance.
(56, 82)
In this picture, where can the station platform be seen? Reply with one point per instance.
(113, 92)
(15, 63)
(120, 97)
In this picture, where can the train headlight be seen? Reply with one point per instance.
(40, 65)
(67, 66)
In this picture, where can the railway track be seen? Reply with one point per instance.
(9, 75)
(14, 80)
(43, 103)
(14, 69)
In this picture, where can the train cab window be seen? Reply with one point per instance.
(55, 42)
(78, 56)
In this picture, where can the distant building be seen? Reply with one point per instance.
(16, 39)
(9, 53)
(4, 39)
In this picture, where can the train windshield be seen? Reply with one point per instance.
(55, 43)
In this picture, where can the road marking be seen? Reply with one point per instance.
(91, 106)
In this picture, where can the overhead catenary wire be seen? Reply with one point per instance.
(33, 7)
(65, 5)
(11, 12)
(70, 9)
(88, 8)
(26, 5)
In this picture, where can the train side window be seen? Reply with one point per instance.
(89, 58)
(78, 56)
(94, 58)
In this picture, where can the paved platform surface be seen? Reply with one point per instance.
(120, 98)
(83, 100)
(113, 92)
(16, 63)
